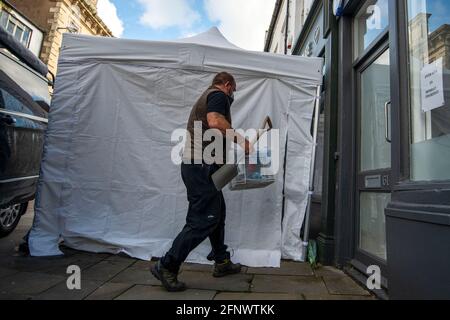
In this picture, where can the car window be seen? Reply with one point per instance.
(11, 103)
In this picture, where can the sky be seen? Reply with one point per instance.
(242, 22)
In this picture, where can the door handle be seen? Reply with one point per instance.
(8, 119)
(387, 134)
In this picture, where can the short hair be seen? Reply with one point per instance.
(222, 78)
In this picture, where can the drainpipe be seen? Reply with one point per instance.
(287, 28)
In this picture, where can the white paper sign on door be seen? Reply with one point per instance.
(432, 86)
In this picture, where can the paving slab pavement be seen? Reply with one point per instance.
(139, 264)
(142, 292)
(61, 292)
(106, 270)
(343, 286)
(4, 272)
(288, 284)
(29, 283)
(109, 291)
(205, 280)
(287, 268)
(136, 276)
(257, 296)
(325, 297)
(107, 277)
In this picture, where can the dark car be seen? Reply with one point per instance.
(24, 105)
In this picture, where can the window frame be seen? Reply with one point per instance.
(401, 97)
(10, 18)
(358, 56)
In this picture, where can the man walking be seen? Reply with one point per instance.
(206, 213)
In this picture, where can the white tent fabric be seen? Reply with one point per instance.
(107, 181)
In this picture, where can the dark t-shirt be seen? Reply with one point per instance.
(218, 102)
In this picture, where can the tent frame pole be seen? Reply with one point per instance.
(312, 172)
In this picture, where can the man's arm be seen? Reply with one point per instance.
(219, 122)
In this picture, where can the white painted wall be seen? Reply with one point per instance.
(298, 12)
(277, 45)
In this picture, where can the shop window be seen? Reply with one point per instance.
(371, 21)
(429, 80)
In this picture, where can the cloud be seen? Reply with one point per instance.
(108, 12)
(244, 23)
(160, 14)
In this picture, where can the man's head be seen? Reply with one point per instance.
(225, 82)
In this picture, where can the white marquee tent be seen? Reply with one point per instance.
(107, 181)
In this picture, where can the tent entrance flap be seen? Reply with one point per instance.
(109, 181)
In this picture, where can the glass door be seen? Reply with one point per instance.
(374, 158)
(373, 132)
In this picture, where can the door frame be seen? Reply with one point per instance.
(346, 227)
(421, 203)
(364, 62)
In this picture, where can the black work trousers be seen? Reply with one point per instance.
(205, 218)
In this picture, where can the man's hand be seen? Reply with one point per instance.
(218, 121)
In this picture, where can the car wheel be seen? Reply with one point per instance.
(10, 217)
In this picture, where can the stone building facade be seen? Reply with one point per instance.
(56, 17)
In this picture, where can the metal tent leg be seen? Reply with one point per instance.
(311, 173)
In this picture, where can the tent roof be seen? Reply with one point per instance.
(212, 37)
(208, 51)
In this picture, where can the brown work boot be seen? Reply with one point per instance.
(226, 268)
(168, 279)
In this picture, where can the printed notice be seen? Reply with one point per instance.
(432, 86)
